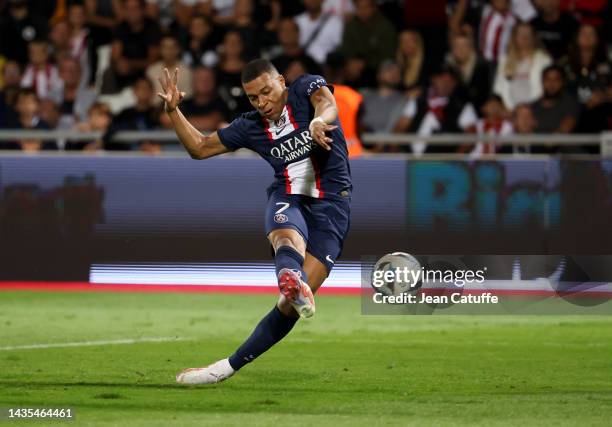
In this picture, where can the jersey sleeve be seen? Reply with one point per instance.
(234, 136)
(309, 83)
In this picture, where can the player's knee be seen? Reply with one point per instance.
(292, 240)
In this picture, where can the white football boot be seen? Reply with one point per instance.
(297, 292)
(211, 374)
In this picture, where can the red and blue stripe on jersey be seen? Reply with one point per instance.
(301, 166)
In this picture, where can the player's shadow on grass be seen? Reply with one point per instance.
(169, 385)
(173, 386)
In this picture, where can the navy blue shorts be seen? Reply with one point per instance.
(324, 223)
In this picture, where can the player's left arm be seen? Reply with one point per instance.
(326, 112)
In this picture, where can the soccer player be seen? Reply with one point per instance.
(296, 130)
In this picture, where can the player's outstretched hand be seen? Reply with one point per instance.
(317, 130)
(171, 95)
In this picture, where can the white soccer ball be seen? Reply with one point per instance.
(396, 273)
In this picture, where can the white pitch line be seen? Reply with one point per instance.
(90, 343)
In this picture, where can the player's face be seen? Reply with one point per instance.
(267, 95)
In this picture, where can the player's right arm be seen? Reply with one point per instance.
(197, 145)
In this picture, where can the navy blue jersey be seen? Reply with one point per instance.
(300, 165)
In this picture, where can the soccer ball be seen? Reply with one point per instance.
(395, 274)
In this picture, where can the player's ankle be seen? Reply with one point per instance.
(286, 308)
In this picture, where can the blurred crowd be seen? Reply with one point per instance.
(497, 67)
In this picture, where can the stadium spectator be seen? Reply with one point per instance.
(49, 113)
(464, 15)
(59, 36)
(383, 106)
(494, 122)
(167, 13)
(205, 109)
(99, 119)
(72, 98)
(50, 10)
(523, 120)
(589, 73)
(554, 28)
(556, 110)
(443, 108)
(369, 39)
(519, 73)
(289, 49)
(474, 73)
(11, 74)
(28, 111)
(134, 48)
(270, 14)
(593, 12)
(2, 62)
(80, 41)
(320, 33)
(223, 10)
(349, 102)
(11, 83)
(40, 74)
(142, 116)
(170, 58)
(343, 9)
(523, 123)
(411, 58)
(244, 22)
(18, 28)
(496, 24)
(200, 45)
(102, 17)
(28, 117)
(228, 72)
(430, 19)
(524, 9)
(294, 70)
(287, 8)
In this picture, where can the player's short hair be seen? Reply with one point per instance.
(256, 68)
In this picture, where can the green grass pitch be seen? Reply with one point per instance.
(338, 369)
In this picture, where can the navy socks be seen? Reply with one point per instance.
(270, 330)
(275, 325)
(287, 257)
